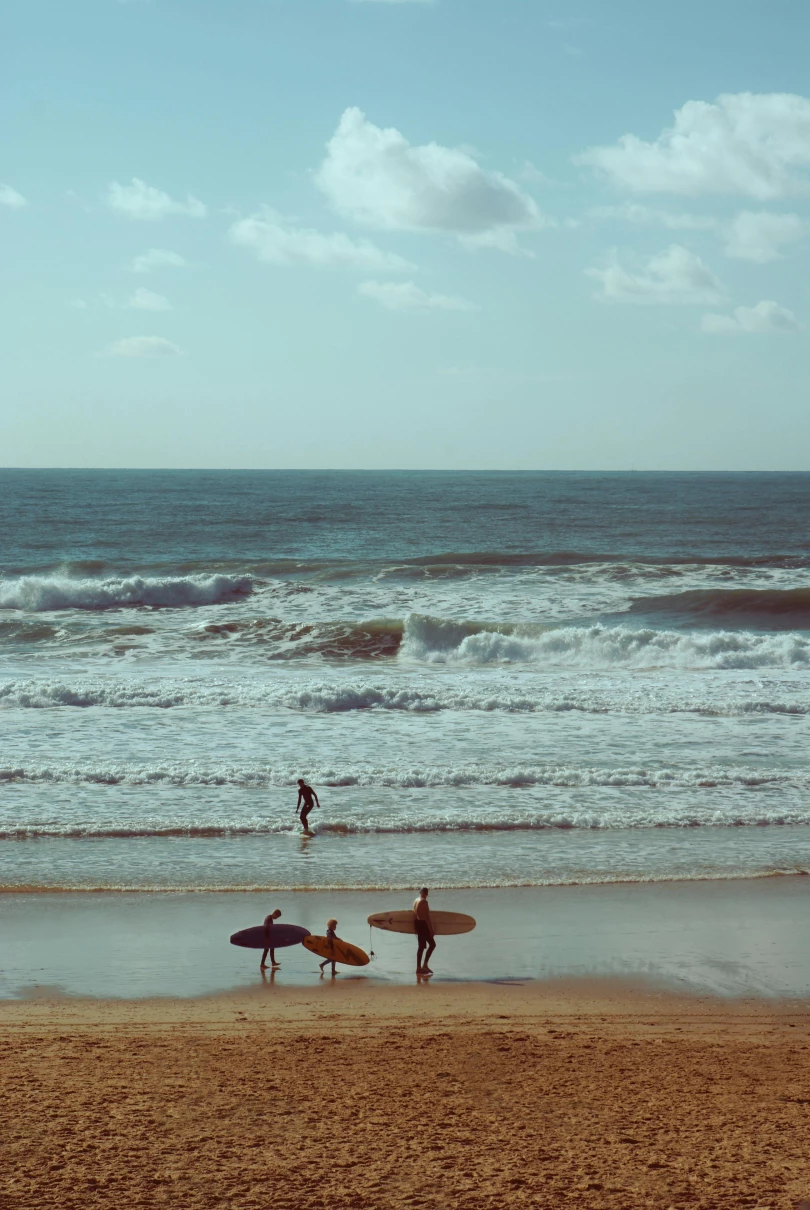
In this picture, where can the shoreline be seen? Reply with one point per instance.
(388, 889)
(604, 1004)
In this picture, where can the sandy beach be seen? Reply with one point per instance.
(581, 1093)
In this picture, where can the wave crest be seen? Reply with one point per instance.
(406, 776)
(434, 640)
(44, 594)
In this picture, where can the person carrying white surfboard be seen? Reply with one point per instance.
(426, 940)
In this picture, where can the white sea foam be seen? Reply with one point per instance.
(41, 594)
(624, 817)
(587, 695)
(407, 776)
(435, 640)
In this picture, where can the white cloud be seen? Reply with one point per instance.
(145, 300)
(143, 346)
(502, 239)
(78, 304)
(11, 198)
(675, 276)
(156, 258)
(275, 241)
(407, 296)
(377, 178)
(746, 143)
(647, 216)
(757, 235)
(766, 316)
(754, 235)
(141, 201)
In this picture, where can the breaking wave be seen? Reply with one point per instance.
(438, 641)
(44, 594)
(405, 776)
(338, 697)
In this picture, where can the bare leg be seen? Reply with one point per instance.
(273, 958)
(419, 952)
(263, 962)
(431, 947)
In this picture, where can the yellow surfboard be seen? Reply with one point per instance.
(349, 955)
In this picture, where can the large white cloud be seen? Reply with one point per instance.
(766, 316)
(674, 276)
(754, 144)
(375, 177)
(11, 198)
(407, 296)
(758, 235)
(141, 201)
(142, 346)
(156, 258)
(276, 241)
(146, 300)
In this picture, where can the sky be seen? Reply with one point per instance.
(508, 234)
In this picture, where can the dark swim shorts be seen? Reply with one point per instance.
(423, 932)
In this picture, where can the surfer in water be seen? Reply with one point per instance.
(268, 940)
(331, 925)
(306, 797)
(426, 940)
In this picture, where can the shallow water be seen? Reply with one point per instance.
(727, 939)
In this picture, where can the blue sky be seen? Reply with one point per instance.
(403, 233)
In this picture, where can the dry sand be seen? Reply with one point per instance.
(442, 1096)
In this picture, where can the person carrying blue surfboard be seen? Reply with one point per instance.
(268, 940)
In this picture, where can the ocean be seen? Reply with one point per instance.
(491, 679)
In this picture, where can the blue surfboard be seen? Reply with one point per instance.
(281, 935)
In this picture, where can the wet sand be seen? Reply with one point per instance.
(454, 1097)
(734, 938)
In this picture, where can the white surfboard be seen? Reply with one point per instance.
(445, 924)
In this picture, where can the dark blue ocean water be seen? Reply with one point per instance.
(135, 520)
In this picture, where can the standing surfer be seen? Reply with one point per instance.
(268, 940)
(306, 796)
(424, 932)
